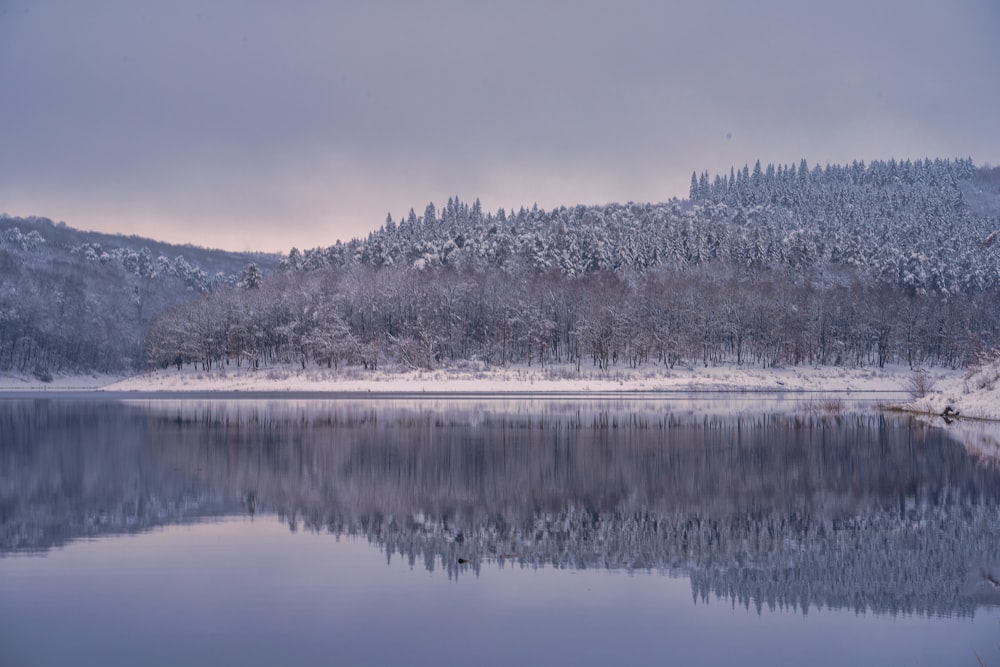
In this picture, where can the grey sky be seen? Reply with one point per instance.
(263, 125)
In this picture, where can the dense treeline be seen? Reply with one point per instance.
(424, 318)
(924, 225)
(859, 265)
(855, 265)
(81, 301)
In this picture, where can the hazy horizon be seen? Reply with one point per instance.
(246, 126)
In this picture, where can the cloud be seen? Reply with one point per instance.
(251, 124)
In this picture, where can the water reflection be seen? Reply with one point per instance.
(770, 509)
(72, 469)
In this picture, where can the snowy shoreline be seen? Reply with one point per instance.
(475, 379)
(971, 392)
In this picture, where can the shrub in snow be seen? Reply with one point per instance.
(920, 384)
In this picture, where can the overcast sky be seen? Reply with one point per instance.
(266, 125)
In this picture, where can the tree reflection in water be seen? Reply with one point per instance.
(863, 512)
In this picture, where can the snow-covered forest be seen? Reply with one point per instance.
(74, 300)
(890, 262)
(853, 265)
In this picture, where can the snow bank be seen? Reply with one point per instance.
(58, 382)
(471, 378)
(973, 393)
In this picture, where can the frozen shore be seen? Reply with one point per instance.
(59, 382)
(479, 379)
(973, 393)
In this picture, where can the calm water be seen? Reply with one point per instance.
(720, 530)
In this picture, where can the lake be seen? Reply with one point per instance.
(714, 529)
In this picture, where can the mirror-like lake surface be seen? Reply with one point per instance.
(715, 530)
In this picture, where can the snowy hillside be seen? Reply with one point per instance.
(852, 266)
(843, 265)
(921, 224)
(74, 301)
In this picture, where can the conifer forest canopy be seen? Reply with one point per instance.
(854, 265)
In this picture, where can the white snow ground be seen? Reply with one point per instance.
(974, 393)
(472, 378)
(520, 379)
(59, 382)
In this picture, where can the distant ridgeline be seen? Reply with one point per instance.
(847, 265)
(74, 300)
(919, 224)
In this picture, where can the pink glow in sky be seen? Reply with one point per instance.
(251, 125)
